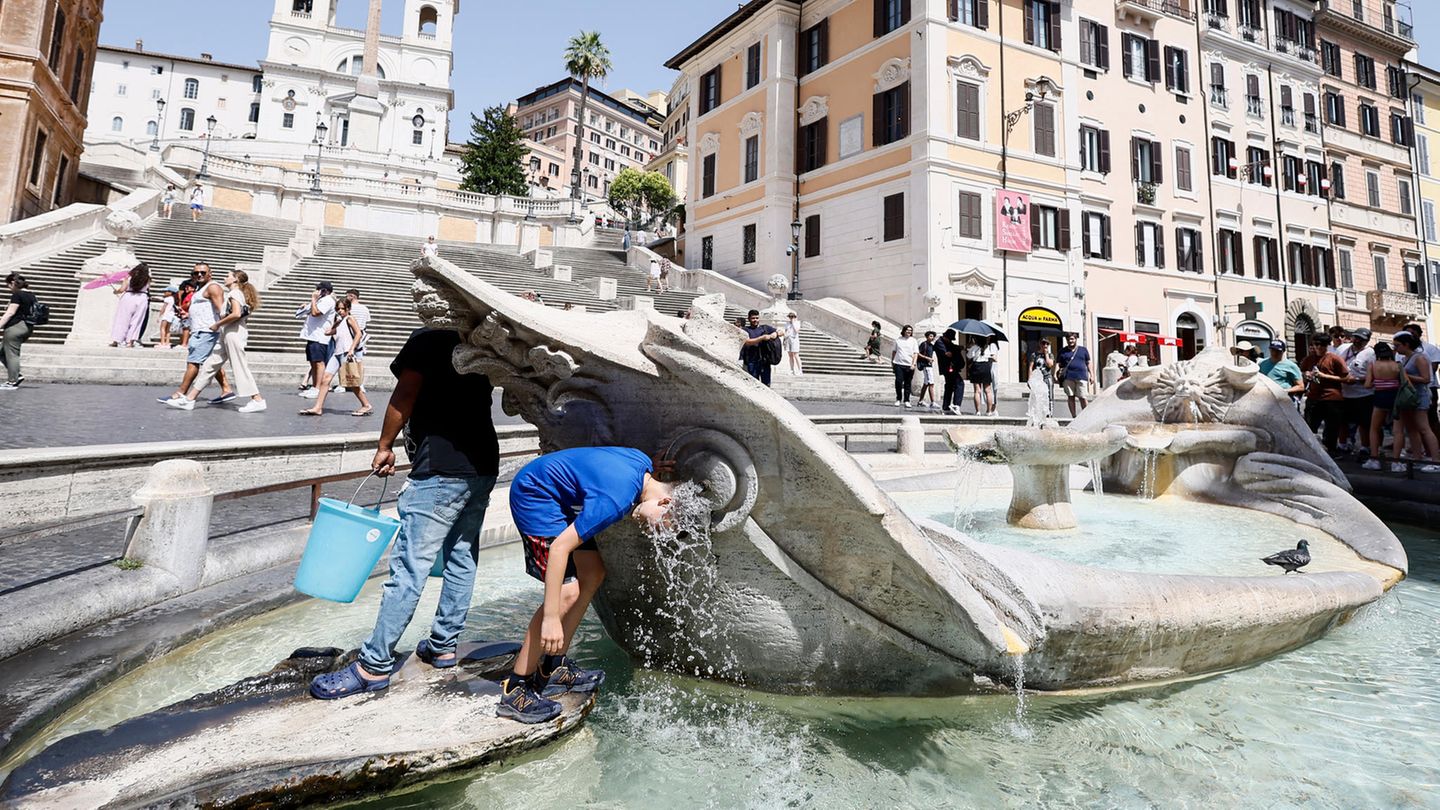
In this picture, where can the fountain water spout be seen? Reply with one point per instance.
(1039, 462)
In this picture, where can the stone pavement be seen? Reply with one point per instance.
(59, 415)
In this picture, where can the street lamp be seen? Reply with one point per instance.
(159, 124)
(432, 143)
(1043, 86)
(205, 161)
(795, 260)
(320, 130)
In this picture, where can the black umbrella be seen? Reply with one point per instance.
(970, 326)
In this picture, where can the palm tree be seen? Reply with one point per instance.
(586, 58)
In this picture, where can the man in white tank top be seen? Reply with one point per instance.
(205, 310)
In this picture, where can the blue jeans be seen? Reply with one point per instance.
(438, 515)
(759, 368)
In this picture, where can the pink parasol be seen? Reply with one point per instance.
(105, 281)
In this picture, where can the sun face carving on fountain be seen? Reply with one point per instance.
(1184, 393)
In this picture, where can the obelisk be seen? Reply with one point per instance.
(366, 109)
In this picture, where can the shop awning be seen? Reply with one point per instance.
(1142, 337)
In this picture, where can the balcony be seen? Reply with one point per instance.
(1254, 106)
(1312, 123)
(1219, 97)
(1394, 35)
(1152, 10)
(1217, 22)
(1394, 304)
(1145, 193)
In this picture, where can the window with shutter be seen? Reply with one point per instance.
(894, 217)
(1183, 180)
(1152, 60)
(815, 47)
(892, 114)
(968, 102)
(970, 215)
(752, 66)
(710, 90)
(970, 12)
(752, 159)
(1044, 120)
(1104, 151)
(890, 15)
(1157, 162)
(707, 176)
(814, 143)
(747, 244)
(812, 235)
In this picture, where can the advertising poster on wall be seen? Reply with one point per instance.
(1012, 221)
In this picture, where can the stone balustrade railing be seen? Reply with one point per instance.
(29, 240)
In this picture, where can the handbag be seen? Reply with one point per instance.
(1408, 397)
(350, 375)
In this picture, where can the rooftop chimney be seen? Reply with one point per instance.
(139, 44)
(207, 57)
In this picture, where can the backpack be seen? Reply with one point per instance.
(772, 352)
(39, 314)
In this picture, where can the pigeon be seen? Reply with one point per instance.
(1291, 559)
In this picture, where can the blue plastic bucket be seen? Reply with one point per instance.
(345, 543)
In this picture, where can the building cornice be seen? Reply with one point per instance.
(253, 68)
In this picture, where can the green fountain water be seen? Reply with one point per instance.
(1352, 720)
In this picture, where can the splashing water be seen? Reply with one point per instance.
(679, 590)
(967, 489)
(1097, 480)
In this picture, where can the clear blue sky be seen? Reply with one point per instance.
(503, 48)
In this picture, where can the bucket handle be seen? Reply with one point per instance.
(384, 485)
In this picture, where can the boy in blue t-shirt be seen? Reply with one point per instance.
(560, 502)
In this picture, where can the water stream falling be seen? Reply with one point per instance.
(1149, 458)
(967, 488)
(1097, 480)
(1018, 727)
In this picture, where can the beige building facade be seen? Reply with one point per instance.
(617, 135)
(47, 53)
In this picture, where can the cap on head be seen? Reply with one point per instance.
(1360, 334)
(1277, 346)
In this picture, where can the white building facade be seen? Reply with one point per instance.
(310, 74)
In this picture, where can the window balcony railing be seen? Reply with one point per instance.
(1253, 106)
(1219, 97)
(1312, 123)
(1287, 116)
(1250, 33)
(1218, 22)
(1394, 304)
(1150, 9)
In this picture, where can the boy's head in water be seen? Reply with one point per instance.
(656, 498)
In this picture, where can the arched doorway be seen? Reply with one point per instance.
(1034, 325)
(1190, 336)
(1305, 331)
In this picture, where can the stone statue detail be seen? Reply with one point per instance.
(813, 580)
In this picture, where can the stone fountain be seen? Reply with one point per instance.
(817, 581)
(1039, 461)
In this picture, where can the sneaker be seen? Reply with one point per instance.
(955, 409)
(1343, 447)
(1429, 469)
(253, 406)
(310, 393)
(1372, 464)
(898, 403)
(519, 702)
(568, 677)
(9, 386)
(166, 400)
(907, 404)
(181, 404)
(223, 398)
(1397, 467)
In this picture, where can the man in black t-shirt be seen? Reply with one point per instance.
(455, 458)
(753, 350)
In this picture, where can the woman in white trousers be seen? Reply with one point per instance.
(241, 299)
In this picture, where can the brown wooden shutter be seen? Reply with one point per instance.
(1139, 244)
(825, 42)
(953, 9)
(1328, 257)
(1183, 180)
(1125, 46)
(1085, 247)
(1102, 46)
(982, 14)
(879, 17)
(877, 122)
(1064, 228)
(1169, 68)
(1152, 60)
(1135, 159)
(1029, 23)
(1034, 227)
(1157, 163)
(1104, 151)
(1105, 252)
(1237, 247)
(1054, 26)
(812, 235)
(904, 110)
(1259, 254)
(1274, 246)
(1087, 41)
(1159, 245)
(904, 11)
(1197, 260)
(1287, 97)
(802, 52)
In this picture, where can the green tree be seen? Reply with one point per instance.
(494, 158)
(586, 58)
(641, 196)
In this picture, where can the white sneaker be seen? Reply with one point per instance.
(181, 403)
(1372, 464)
(907, 404)
(1430, 469)
(310, 393)
(898, 403)
(253, 406)
(955, 410)
(1397, 467)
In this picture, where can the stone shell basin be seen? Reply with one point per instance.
(1039, 460)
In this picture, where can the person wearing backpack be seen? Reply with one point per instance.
(761, 348)
(22, 315)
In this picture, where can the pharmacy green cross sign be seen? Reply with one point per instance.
(1250, 308)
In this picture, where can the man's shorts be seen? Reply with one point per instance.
(1358, 410)
(317, 352)
(201, 345)
(196, 207)
(1074, 388)
(537, 556)
(927, 375)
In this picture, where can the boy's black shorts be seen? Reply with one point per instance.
(537, 556)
